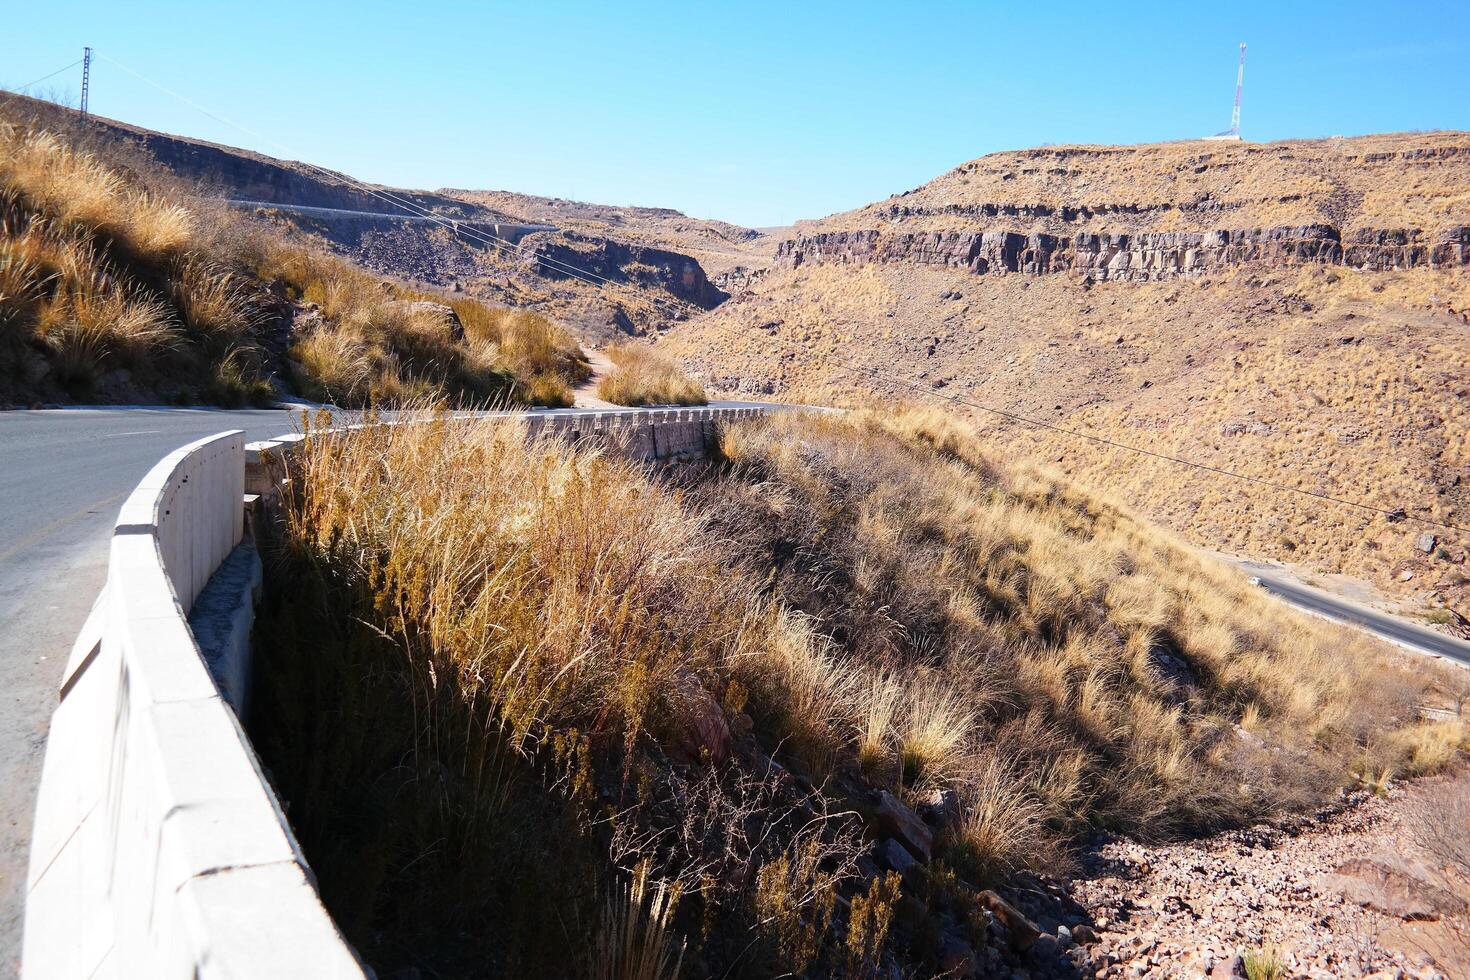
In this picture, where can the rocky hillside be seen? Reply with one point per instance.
(503, 248)
(720, 247)
(1151, 212)
(1292, 311)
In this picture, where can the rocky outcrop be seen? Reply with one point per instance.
(555, 255)
(1133, 257)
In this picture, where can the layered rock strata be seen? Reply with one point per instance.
(1134, 257)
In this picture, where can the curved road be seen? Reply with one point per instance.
(1395, 629)
(63, 475)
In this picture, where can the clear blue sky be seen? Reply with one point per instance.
(758, 113)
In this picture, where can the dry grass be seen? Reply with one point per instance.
(1107, 663)
(891, 607)
(111, 289)
(637, 940)
(642, 377)
(387, 345)
(1331, 380)
(98, 275)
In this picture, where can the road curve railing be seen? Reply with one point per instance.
(160, 849)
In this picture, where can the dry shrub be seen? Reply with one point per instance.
(642, 377)
(794, 901)
(867, 928)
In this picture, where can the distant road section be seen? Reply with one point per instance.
(1391, 628)
(509, 230)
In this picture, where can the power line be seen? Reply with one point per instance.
(595, 280)
(44, 77)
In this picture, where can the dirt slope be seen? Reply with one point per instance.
(1295, 312)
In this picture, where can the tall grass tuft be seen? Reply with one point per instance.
(642, 377)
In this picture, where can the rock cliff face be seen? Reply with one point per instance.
(1133, 257)
(641, 265)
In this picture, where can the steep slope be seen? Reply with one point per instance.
(464, 241)
(1295, 312)
(117, 285)
(825, 691)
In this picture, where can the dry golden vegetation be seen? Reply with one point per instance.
(111, 289)
(396, 345)
(1332, 380)
(99, 275)
(642, 377)
(536, 710)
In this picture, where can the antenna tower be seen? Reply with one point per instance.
(1233, 133)
(1239, 84)
(86, 78)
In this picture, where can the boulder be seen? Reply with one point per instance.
(1426, 543)
(433, 312)
(957, 958)
(1022, 930)
(702, 733)
(1228, 968)
(941, 808)
(893, 855)
(899, 822)
(1393, 887)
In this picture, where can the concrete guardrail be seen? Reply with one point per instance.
(159, 848)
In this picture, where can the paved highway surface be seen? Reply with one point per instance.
(1392, 628)
(63, 475)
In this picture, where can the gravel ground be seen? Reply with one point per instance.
(1190, 909)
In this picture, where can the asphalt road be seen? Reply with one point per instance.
(63, 475)
(1392, 628)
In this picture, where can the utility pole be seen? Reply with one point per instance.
(87, 80)
(1239, 84)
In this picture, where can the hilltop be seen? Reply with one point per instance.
(1413, 181)
(1292, 311)
(505, 249)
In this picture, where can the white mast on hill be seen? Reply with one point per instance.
(1233, 133)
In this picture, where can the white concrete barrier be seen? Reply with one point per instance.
(159, 849)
